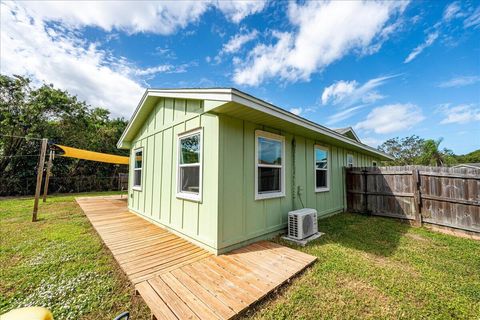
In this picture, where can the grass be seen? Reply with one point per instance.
(380, 268)
(368, 267)
(60, 263)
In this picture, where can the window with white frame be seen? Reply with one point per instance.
(374, 163)
(350, 160)
(321, 168)
(269, 165)
(189, 171)
(137, 169)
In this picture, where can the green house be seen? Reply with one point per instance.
(223, 168)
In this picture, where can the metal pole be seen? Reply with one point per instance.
(41, 162)
(47, 176)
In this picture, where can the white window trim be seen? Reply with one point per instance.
(137, 187)
(353, 160)
(197, 197)
(327, 188)
(374, 163)
(271, 136)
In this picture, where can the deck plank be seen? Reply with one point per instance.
(179, 280)
(158, 307)
(177, 305)
(190, 299)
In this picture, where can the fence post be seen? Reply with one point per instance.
(365, 192)
(417, 198)
(41, 162)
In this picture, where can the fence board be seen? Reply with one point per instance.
(436, 195)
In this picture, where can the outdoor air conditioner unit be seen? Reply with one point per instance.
(302, 223)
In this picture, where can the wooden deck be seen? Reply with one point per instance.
(179, 280)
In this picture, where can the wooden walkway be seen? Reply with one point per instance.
(179, 280)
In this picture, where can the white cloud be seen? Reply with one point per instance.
(347, 93)
(428, 42)
(460, 81)
(30, 47)
(338, 91)
(236, 10)
(236, 42)
(463, 113)
(452, 11)
(296, 111)
(473, 20)
(391, 118)
(343, 115)
(162, 17)
(42, 40)
(373, 142)
(129, 16)
(163, 68)
(325, 32)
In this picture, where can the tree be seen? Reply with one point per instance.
(406, 151)
(432, 155)
(47, 112)
(414, 150)
(472, 157)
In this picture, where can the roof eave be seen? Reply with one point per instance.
(121, 143)
(216, 94)
(234, 95)
(243, 98)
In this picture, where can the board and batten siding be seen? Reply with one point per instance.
(241, 217)
(157, 198)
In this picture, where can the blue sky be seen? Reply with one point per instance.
(385, 68)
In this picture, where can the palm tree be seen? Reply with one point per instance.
(432, 155)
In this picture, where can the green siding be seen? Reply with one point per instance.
(241, 217)
(228, 213)
(157, 199)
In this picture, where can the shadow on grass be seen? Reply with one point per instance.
(376, 235)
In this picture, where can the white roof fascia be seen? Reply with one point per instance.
(234, 95)
(142, 100)
(200, 94)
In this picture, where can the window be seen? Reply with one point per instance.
(269, 165)
(321, 169)
(374, 163)
(349, 160)
(137, 169)
(189, 171)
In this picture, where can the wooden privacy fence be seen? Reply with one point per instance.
(448, 197)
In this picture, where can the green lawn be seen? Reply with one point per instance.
(373, 267)
(368, 267)
(59, 262)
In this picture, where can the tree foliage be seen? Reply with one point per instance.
(414, 150)
(47, 112)
(406, 151)
(432, 155)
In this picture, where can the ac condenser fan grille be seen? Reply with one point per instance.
(307, 225)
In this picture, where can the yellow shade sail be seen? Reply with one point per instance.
(91, 155)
